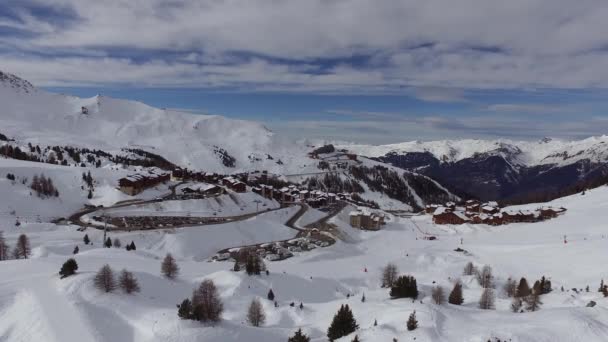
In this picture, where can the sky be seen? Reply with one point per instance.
(355, 70)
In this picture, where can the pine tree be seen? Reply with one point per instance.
(22, 248)
(375, 322)
(469, 269)
(455, 297)
(516, 304)
(169, 267)
(184, 310)
(533, 302)
(601, 289)
(86, 239)
(389, 275)
(485, 278)
(132, 247)
(486, 301)
(68, 268)
(117, 243)
(523, 290)
(270, 295)
(342, 324)
(127, 282)
(356, 339)
(301, 306)
(104, 279)
(404, 287)
(76, 250)
(206, 303)
(299, 336)
(510, 287)
(438, 295)
(412, 323)
(90, 195)
(255, 314)
(363, 298)
(545, 285)
(108, 243)
(4, 249)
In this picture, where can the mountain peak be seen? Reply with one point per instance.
(17, 83)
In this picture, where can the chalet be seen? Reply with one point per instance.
(363, 219)
(202, 189)
(490, 209)
(443, 216)
(234, 184)
(178, 175)
(450, 205)
(136, 183)
(472, 206)
(267, 191)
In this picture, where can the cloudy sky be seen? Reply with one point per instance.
(360, 70)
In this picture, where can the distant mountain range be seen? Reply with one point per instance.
(511, 171)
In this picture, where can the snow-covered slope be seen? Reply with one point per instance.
(528, 153)
(195, 141)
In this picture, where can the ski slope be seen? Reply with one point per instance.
(30, 290)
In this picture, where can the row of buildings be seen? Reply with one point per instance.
(489, 213)
(365, 219)
(291, 194)
(138, 182)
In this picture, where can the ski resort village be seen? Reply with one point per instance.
(215, 230)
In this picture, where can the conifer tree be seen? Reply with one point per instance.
(523, 289)
(4, 249)
(299, 336)
(601, 289)
(206, 303)
(104, 279)
(68, 268)
(516, 304)
(356, 339)
(343, 324)
(22, 248)
(456, 295)
(255, 314)
(438, 295)
(169, 267)
(108, 243)
(76, 250)
(486, 301)
(363, 298)
(270, 295)
(127, 282)
(412, 323)
(510, 287)
(533, 301)
(404, 287)
(86, 239)
(469, 269)
(133, 247)
(184, 310)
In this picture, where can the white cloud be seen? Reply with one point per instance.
(431, 45)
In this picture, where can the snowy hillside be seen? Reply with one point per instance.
(501, 169)
(31, 293)
(527, 153)
(195, 141)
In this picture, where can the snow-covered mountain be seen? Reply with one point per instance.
(196, 141)
(113, 129)
(499, 169)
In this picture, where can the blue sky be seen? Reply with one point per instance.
(374, 72)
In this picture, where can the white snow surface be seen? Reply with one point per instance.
(185, 139)
(35, 305)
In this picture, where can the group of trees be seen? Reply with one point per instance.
(22, 249)
(404, 287)
(205, 305)
(43, 186)
(105, 281)
(523, 294)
